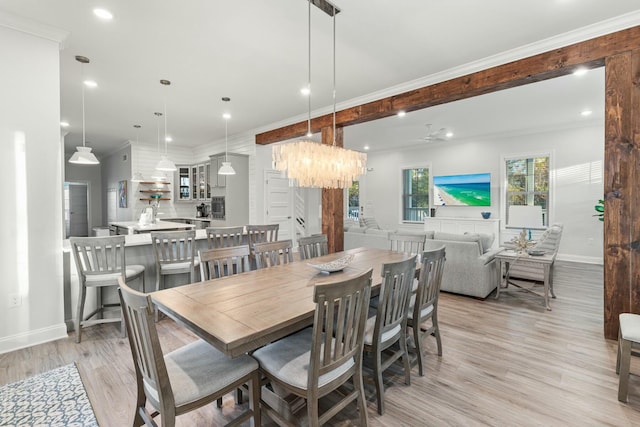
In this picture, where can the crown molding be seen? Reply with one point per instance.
(33, 28)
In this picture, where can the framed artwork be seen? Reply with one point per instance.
(122, 194)
(462, 190)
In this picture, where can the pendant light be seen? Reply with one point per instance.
(165, 164)
(137, 177)
(312, 164)
(226, 168)
(83, 155)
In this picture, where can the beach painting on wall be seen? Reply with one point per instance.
(462, 190)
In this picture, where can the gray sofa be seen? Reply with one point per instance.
(469, 270)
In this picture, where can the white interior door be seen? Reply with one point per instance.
(76, 212)
(279, 204)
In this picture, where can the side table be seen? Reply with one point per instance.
(508, 257)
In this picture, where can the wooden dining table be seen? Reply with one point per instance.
(241, 313)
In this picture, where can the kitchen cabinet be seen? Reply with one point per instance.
(183, 183)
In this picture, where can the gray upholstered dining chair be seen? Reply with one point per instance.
(221, 262)
(628, 344)
(423, 306)
(175, 253)
(185, 379)
(268, 254)
(389, 325)
(224, 237)
(99, 262)
(311, 363)
(313, 246)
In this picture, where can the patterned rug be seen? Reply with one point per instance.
(54, 398)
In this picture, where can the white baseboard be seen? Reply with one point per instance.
(31, 338)
(580, 258)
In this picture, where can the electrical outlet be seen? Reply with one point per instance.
(15, 300)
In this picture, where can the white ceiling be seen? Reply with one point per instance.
(255, 52)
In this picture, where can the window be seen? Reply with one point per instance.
(415, 194)
(528, 184)
(353, 201)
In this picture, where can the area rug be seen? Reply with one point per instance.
(54, 398)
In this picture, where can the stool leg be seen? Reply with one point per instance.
(625, 362)
(618, 355)
(80, 310)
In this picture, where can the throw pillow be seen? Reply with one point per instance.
(486, 239)
(452, 237)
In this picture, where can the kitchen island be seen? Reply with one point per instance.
(134, 227)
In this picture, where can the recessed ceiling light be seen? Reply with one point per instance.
(168, 138)
(64, 124)
(226, 116)
(449, 134)
(306, 91)
(402, 113)
(580, 71)
(90, 83)
(366, 147)
(586, 112)
(103, 14)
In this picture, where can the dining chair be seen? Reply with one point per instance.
(313, 246)
(185, 379)
(224, 237)
(628, 342)
(262, 233)
(389, 325)
(174, 252)
(221, 262)
(268, 254)
(411, 243)
(424, 304)
(99, 262)
(311, 363)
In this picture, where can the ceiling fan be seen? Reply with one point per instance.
(434, 135)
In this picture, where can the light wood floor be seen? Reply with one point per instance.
(506, 362)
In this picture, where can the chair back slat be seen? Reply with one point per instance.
(393, 303)
(429, 281)
(268, 254)
(340, 307)
(411, 243)
(224, 237)
(145, 346)
(221, 262)
(313, 246)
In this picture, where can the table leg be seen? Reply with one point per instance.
(547, 269)
(504, 267)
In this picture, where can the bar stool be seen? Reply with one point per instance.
(100, 261)
(175, 253)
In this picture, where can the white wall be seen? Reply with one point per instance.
(31, 171)
(116, 167)
(577, 156)
(92, 175)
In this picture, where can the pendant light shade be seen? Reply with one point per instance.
(165, 164)
(83, 155)
(226, 168)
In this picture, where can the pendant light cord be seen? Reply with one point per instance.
(309, 69)
(334, 76)
(165, 125)
(83, 118)
(226, 142)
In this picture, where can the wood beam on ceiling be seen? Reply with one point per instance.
(547, 65)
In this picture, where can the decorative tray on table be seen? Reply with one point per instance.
(335, 265)
(536, 252)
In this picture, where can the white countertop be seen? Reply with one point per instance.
(157, 226)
